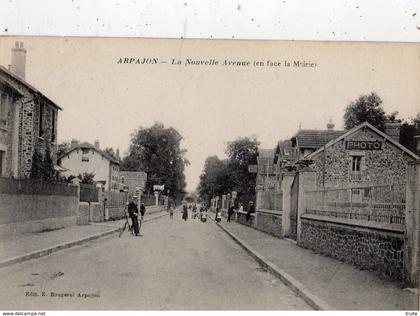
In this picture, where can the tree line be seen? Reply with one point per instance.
(221, 176)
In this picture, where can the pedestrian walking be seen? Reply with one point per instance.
(194, 210)
(218, 216)
(203, 217)
(231, 211)
(250, 211)
(171, 212)
(133, 212)
(184, 212)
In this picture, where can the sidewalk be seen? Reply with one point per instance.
(340, 285)
(29, 246)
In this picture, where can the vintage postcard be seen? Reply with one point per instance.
(174, 174)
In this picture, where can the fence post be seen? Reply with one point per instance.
(286, 186)
(76, 183)
(412, 225)
(307, 181)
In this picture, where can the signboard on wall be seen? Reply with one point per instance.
(363, 145)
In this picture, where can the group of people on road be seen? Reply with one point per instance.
(201, 214)
(231, 211)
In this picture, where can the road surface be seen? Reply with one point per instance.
(175, 265)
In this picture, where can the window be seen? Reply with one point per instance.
(41, 120)
(356, 163)
(356, 168)
(85, 154)
(3, 109)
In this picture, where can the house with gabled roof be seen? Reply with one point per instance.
(363, 156)
(87, 158)
(28, 119)
(306, 141)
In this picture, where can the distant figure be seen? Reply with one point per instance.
(231, 211)
(203, 216)
(218, 216)
(171, 212)
(184, 212)
(241, 207)
(251, 210)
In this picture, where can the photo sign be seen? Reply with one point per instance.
(363, 145)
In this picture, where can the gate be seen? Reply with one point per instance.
(294, 194)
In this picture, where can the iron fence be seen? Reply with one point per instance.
(88, 193)
(380, 203)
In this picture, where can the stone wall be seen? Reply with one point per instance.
(96, 212)
(83, 213)
(22, 213)
(270, 222)
(380, 250)
(240, 218)
(385, 166)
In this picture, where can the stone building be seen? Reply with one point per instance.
(363, 156)
(87, 158)
(28, 119)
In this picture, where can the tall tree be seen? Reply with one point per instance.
(63, 147)
(214, 180)
(241, 153)
(157, 151)
(367, 108)
(224, 176)
(409, 129)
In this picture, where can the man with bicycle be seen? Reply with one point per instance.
(133, 212)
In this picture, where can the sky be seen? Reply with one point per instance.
(212, 105)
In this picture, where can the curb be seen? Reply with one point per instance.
(50, 250)
(297, 287)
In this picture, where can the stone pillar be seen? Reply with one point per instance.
(76, 183)
(307, 181)
(286, 187)
(157, 198)
(223, 201)
(259, 199)
(412, 225)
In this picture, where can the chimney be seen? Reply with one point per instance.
(18, 60)
(74, 143)
(392, 129)
(96, 144)
(117, 153)
(417, 141)
(330, 125)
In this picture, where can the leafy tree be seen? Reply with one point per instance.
(224, 176)
(409, 129)
(241, 153)
(367, 108)
(62, 148)
(87, 177)
(48, 166)
(110, 151)
(157, 151)
(214, 180)
(37, 165)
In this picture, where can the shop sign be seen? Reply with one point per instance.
(363, 145)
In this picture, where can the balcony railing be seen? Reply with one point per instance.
(357, 175)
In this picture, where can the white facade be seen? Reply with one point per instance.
(81, 160)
